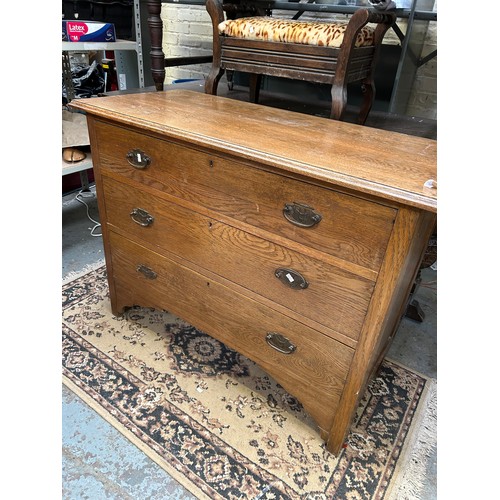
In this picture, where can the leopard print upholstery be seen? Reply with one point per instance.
(285, 30)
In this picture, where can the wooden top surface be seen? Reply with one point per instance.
(391, 165)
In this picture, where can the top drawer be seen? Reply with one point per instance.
(350, 228)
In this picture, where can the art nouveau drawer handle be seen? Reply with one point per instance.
(280, 343)
(142, 217)
(146, 271)
(138, 159)
(301, 215)
(291, 278)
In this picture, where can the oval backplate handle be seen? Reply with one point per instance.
(280, 343)
(301, 215)
(142, 217)
(291, 278)
(138, 159)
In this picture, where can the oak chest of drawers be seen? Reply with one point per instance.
(293, 239)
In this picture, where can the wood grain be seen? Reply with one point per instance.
(352, 229)
(220, 174)
(315, 372)
(388, 164)
(404, 253)
(334, 298)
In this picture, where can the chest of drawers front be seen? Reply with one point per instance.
(305, 278)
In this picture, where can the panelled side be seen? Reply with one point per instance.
(412, 229)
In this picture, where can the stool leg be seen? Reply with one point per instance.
(216, 13)
(255, 81)
(212, 81)
(368, 90)
(339, 101)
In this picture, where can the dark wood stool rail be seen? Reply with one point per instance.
(336, 66)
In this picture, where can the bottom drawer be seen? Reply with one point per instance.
(314, 372)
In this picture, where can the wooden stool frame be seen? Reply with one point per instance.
(330, 65)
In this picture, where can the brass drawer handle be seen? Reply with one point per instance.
(280, 343)
(291, 278)
(141, 217)
(301, 215)
(138, 159)
(146, 271)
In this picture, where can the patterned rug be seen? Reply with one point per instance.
(223, 428)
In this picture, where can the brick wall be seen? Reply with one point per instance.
(187, 31)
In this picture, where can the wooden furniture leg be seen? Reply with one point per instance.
(212, 81)
(157, 55)
(340, 81)
(255, 81)
(368, 84)
(368, 93)
(413, 309)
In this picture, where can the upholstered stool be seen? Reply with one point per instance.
(272, 29)
(331, 53)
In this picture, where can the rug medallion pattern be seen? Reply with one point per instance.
(213, 417)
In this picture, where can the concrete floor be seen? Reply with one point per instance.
(99, 463)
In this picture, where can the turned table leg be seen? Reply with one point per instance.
(156, 31)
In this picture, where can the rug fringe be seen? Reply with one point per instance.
(410, 473)
(73, 275)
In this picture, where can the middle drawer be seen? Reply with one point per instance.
(310, 287)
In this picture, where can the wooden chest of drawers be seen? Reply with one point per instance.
(293, 239)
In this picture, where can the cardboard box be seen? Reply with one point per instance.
(88, 31)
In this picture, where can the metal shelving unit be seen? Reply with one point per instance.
(129, 69)
(128, 55)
